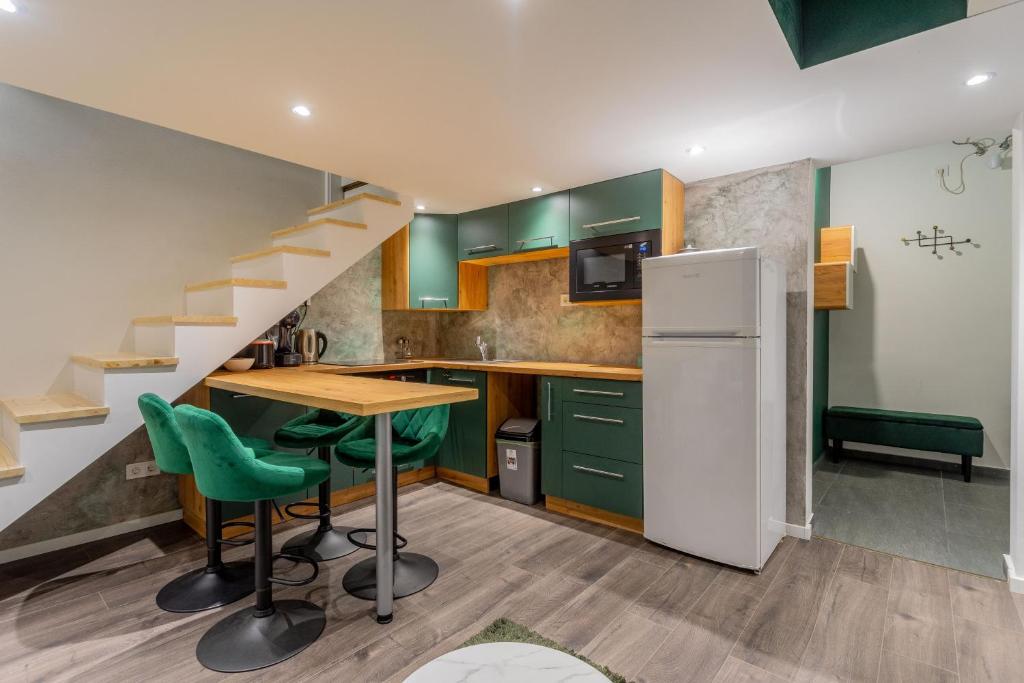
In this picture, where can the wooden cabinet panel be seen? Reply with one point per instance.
(433, 261)
(483, 232)
(833, 286)
(539, 223)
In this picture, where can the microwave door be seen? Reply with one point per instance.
(601, 269)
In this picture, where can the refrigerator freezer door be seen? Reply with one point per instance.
(712, 294)
(701, 465)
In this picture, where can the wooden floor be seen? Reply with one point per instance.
(821, 610)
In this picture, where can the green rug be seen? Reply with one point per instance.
(506, 631)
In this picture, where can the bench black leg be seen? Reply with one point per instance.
(965, 467)
(837, 450)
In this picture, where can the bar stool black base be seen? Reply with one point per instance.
(205, 589)
(244, 642)
(321, 544)
(413, 573)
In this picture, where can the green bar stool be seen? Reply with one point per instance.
(319, 429)
(219, 583)
(269, 632)
(416, 435)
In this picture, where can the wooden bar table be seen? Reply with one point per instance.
(355, 396)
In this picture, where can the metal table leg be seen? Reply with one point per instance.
(385, 520)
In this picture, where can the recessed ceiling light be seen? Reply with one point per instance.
(421, 207)
(978, 79)
(8, 6)
(301, 110)
(695, 150)
(537, 188)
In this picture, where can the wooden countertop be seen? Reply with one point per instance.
(353, 395)
(583, 370)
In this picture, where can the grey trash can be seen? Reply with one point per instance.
(518, 445)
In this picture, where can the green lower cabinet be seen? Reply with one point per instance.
(607, 431)
(539, 223)
(603, 483)
(611, 207)
(550, 402)
(434, 261)
(464, 448)
(363, 475)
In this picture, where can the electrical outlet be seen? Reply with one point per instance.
(138, 470)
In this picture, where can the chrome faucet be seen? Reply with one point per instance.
(482, 345)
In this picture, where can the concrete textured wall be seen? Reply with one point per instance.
(771, 208)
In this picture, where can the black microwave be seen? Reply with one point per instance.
(609, 268)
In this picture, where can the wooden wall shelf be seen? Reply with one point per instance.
(833, 286)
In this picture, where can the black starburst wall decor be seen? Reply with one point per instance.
(938, 239)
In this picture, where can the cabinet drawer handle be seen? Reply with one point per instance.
(591, 470)
(593, 226)
(462, 380)
(482, 247)
(523, 243)
(595, 392)
(592, 418)
(549, 401)
(243, 396)
(424, 299)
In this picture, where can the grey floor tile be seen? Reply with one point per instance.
(889, 477)
(915, 506)
(985, 490)
(879, 531)
(978, 555)
(990, 523)
(821, 482)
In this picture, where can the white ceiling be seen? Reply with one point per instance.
(463, 104)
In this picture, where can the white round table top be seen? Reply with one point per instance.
(506, 663)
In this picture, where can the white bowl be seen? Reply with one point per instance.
(239, 364)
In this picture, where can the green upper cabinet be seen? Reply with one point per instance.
(483, 233)
(610, 207)
(539, 223)
(434, 261)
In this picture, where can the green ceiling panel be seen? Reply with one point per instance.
(819, 31)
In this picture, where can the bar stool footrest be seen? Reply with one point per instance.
(297, 559)
(400, 541)
(322, 514)
(235, 541)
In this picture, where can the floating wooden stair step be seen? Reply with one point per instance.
(10, 468)
(236, 282)
(51, 408)
(283, 249)
(109, 361)
(336, 222)
(367, 196)
(229, 320)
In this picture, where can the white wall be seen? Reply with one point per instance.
(104, 218)
(924, 334)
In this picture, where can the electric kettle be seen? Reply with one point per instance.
(311, 344)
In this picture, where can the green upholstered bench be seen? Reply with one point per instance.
(963, 436)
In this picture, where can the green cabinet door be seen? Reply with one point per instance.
(550, 402)
(464, 448)
(483, 233)
(602, 483)
(434, 261)
(258, 417)
(539, 223)
(615, 206)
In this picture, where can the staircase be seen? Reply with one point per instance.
(46, 440)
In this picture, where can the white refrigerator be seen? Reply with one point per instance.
(714, 357)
